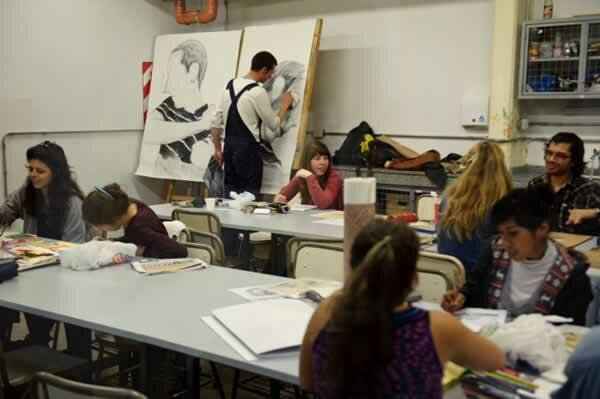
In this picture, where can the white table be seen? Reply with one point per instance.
(290, 224)
(163, 310)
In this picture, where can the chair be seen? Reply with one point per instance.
(426, 208)
(18, 367)
(322, 259)
(432, 285)
(205, 238)
(199, 220)
(48, 386)
(130, 357)
(449, 266)
(201, 251)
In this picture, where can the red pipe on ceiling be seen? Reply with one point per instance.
(204, 16)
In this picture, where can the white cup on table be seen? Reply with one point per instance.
(210, 203)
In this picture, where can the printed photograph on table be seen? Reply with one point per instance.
(189, 74)
(292, 46)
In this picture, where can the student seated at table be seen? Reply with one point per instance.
(464, 212)
(582, 369)
(109, 209)
(575, 199)
(317, 182)
(368, 342)
(523, 270)
(50, 205)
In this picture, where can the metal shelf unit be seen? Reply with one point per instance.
(560, 59)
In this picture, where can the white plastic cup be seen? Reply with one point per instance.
(210, 203)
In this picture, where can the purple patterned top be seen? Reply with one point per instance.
(415, 371)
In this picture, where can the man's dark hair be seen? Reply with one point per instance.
(575, 147)
(527, 207)
(264, 59)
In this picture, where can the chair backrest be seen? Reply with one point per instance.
(426, 207)
(322, 259)
(48, 386)
(433, 285)
(449, 266)
(202, 251)
(206, 238)
(199, 220)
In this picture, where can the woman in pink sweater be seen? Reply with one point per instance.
(317, 182)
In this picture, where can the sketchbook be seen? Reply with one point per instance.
(268, 326)
(168, 265)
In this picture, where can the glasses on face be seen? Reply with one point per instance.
(558, 155)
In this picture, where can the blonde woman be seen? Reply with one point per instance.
(464, 224)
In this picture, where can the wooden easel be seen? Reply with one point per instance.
(308, 91)
(169, 194)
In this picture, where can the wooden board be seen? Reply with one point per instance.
(310, 83)
(569, 240)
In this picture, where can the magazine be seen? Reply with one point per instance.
(30, 257)
(168, 265)
(38, 255)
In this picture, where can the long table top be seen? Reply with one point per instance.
(163, 310)
(292, 224)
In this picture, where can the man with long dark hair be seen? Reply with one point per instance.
(576, 200)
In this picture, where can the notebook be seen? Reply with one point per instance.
(152, 267)
(268, 326)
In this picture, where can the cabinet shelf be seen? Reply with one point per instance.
(555, 59)
(565, 76)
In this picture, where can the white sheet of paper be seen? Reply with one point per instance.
(477, 318)
(255, 292)
(228, 337)
(267, 326)
(331, 222)
(301, 208)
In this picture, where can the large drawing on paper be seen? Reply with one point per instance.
(292, 45)
(190, 73)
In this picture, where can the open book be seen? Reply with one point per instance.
(266, 326)
(151, 267)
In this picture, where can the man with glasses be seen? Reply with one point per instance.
(575, 199)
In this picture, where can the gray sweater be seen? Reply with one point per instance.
(14, 208)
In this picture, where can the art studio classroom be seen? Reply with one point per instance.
(300, 199)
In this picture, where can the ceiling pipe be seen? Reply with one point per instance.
(204, 16)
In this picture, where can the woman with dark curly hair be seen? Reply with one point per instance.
(50, 200)
(50, 205)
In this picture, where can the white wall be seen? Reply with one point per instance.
(73, 65)
(401, 65)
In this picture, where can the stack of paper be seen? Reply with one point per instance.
(267, 326)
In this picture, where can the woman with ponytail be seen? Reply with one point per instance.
(368, 342)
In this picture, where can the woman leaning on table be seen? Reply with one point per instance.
(49, 202)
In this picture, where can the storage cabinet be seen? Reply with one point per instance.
(560, 58)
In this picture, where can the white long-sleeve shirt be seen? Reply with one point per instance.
(253, 106)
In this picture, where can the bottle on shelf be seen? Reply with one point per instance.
(548, 9)
(558, 46)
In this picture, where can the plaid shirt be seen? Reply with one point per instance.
(578, 193)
